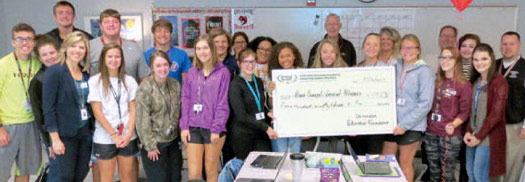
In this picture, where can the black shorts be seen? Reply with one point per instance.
(405, 139)
(109, 151)
(201, 135)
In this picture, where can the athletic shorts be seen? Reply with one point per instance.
(24, 148)
(109, 151)
(201, 135)
(405, 139)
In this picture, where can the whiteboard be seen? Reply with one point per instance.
(305, 26)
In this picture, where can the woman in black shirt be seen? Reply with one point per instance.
(251, 129)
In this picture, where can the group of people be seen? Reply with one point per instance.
(100, 102)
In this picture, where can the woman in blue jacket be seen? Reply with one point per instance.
(67, 114)
(415, 93)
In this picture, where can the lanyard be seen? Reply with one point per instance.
(202, 85)
(508, 70)
(403, 78)
(440, 93)
(82, 96)
(22, 75)
(200, 88)
(117, 98)
(479, 88)
(167, 100)
(256, 94)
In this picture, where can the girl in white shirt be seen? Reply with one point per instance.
(112, 97)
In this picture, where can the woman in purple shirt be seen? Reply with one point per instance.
(204, 110)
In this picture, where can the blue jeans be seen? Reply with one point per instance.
(52, 175)
(230, 170)
(478, 163)
(281, 144)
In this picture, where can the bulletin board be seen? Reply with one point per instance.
(190, 23)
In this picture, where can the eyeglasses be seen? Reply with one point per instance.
(249, 61)
(21, 40)
(265, 50)
(442, 58)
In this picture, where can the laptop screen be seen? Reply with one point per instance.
(354, 155)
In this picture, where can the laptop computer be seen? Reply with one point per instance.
(280, 163)
(267, 161)
(369, 167)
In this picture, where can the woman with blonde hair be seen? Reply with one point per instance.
(369, 144)
(414, 93)
(328, 56)
(371, 49)
(390, 45)
(67, 114)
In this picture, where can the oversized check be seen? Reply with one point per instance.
(334, 101)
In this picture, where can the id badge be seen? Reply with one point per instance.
(84, 114)
(197, 108)
(435, 117)
(401, 102)
(120, 129)
(168, 131)
(84, 85)
(259, 116)
(27, 105)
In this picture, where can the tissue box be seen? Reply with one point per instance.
(329, 174)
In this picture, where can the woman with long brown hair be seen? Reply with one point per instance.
(205, 110)
(112, 97)
(486, 134)
(450, 109)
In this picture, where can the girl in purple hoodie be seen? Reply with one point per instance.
(204, 110)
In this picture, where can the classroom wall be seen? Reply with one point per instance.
(38, 13)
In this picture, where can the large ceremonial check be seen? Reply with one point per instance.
(334, 101)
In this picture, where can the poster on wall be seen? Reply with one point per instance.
(190, 32)
(130, 27)
(189, 23)
(175, 33)
(213, 22)
(243, 19)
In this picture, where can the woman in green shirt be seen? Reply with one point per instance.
(158, 111)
